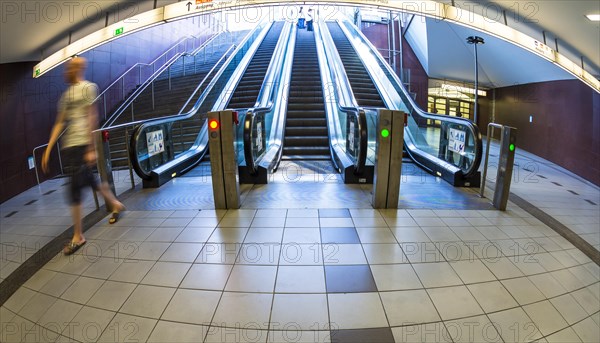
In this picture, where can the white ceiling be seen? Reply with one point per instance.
(30, 37)
(563, 20)
(31, 30)
(447, 55)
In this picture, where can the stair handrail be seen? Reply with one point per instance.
(156, 73)
(266, 96)
(139, 65)
(346, 101)
(172, 118)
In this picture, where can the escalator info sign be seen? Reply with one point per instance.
(456, 141)
(155, 142)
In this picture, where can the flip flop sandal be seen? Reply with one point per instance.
(72, 247)
(114, 218)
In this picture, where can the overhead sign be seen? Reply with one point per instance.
(456, 141)
(155, 142)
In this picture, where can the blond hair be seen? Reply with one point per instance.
(74, 69)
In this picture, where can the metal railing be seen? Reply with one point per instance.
(266, 99)
(135, 124)
(121, 81)
(490, 135)
(345, 101)
(37, 176)
(150, 80)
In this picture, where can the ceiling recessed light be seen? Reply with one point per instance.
(593, 17)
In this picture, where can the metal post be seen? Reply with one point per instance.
(490, 133)
(390, 54)
(225, 177)
(104, 101)
(216, 162)
(393, 41)
(122, 88)
(388, 160)
(103, 159)
(475, 40)
(505, 167)
(59, 159)
(183, 64)
(505, 164)
(129, 158)
(153, 92)
(96, 199)
(476, 86)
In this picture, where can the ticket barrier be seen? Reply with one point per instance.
(223, 162)
(508, 138)
(388, 158)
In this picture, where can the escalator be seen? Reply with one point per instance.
(364, 90)
(434, 148)
(246, 92)
(306, 126)
(235, 85)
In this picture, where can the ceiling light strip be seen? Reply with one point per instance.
(141, 21)
(183, 9)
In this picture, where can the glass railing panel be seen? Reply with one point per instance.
(155, 147)
(371, 115)
(239, 137)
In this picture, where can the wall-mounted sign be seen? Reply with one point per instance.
(155, 142)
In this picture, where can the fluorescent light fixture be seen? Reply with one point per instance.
(593, 17)
(141, 21)
(461, 89)
(429, 8)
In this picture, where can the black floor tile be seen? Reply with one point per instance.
(379, 335)
(334, 213)
(349, 279)
(339, 235)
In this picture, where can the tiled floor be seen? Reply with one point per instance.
(33, 218)
(306, 262)
(561, 194)
(347, 275)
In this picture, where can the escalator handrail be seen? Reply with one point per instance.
(115, 116)
(266, 97)
(402, 92)
(344, 93)
(229, 89)
(178, 117)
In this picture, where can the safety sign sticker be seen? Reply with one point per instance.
(155, 141)
(456, 141)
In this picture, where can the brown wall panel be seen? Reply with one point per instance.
(28, 105)
(419, 80)
(565, 123)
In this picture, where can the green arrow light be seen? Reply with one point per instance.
(385, 133)
(511, 147)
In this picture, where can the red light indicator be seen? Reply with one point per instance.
(213, 124)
